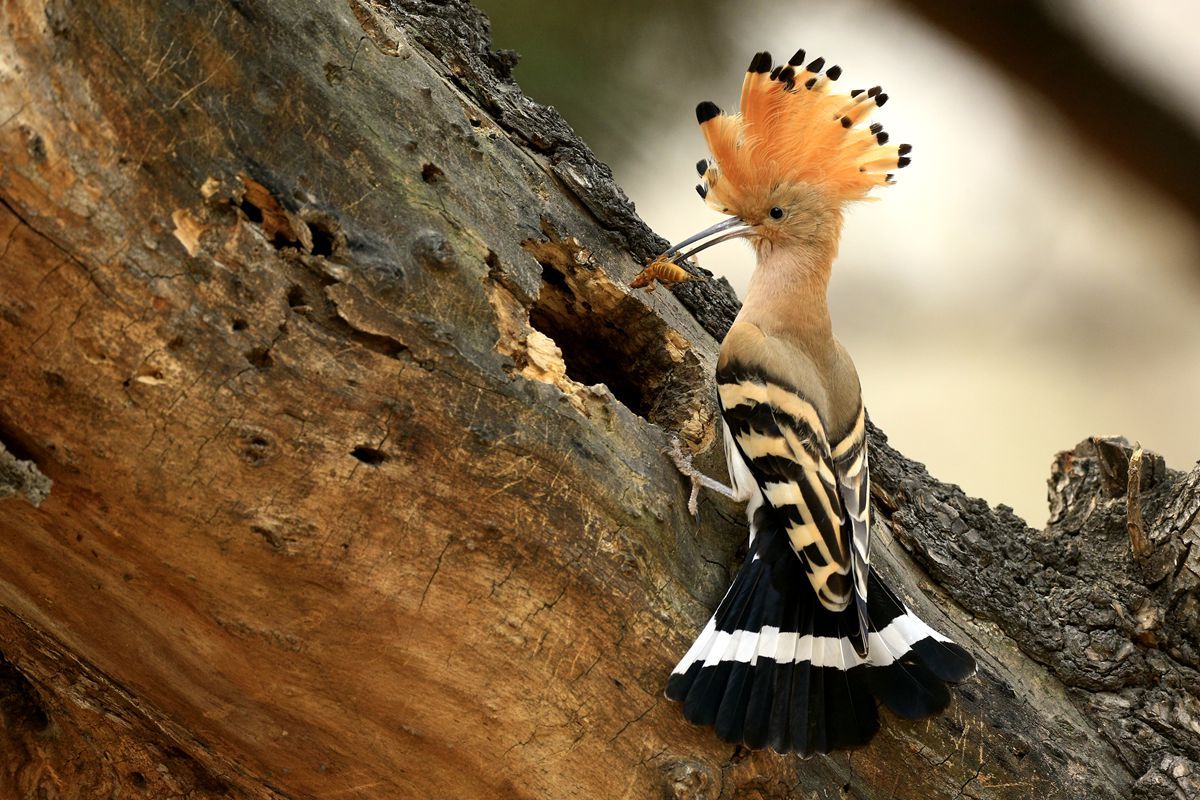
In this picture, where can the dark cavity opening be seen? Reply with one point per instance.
(15, 445)
(19, 701)
(252, 212)
(259, 357)
(369, 455)
(431, 172)
(322, 238)
(295, 297)
(596, 348)
(552, 276)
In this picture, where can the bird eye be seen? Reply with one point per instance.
(776, 212)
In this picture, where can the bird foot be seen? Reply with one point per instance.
(683, 463)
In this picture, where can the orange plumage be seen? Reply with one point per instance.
(792, 129)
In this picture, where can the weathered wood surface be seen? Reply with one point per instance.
(320, 330)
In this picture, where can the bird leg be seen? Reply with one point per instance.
(683, 463)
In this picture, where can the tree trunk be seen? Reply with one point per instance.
(321, 331)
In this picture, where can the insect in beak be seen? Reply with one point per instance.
(671, 266)
(731, 228)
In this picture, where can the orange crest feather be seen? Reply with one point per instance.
(792, 128)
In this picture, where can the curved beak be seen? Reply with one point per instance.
(723, 231)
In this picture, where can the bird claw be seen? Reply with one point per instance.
(683, 463)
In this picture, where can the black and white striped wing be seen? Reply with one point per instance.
(783, 441)
(854, 483)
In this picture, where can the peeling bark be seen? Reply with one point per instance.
(322, 331)
(20, 476)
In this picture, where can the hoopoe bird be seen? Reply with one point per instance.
(808, 639)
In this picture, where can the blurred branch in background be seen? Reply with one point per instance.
(602, 66)
(1024, 39)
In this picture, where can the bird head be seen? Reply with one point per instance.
(785, 165)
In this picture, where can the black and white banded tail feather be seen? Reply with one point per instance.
(775, 668)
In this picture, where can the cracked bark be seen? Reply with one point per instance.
(320, 329)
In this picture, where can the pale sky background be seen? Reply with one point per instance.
(1013, 294)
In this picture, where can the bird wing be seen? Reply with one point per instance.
(783, 442)
(854, 482)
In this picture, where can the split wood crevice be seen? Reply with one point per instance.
(320, 330)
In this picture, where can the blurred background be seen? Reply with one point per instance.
(1034, 276)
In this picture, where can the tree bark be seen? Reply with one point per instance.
(320, 330)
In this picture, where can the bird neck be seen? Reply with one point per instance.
(787, 296)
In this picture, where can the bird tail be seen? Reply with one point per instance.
(773, 667)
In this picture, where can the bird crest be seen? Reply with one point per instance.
(793, 128)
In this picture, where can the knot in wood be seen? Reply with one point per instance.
(432, 250)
